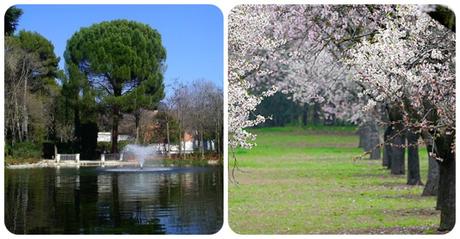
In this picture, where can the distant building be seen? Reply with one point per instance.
(187, 144)
(107, 137)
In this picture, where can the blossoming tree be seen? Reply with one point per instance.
(356, 61)
(410, 64)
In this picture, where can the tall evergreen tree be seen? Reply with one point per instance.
(123, 62)
(12, 16)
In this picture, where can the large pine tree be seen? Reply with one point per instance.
(123, 61)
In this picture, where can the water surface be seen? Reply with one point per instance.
(110, 201)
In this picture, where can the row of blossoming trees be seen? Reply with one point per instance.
(380, 65)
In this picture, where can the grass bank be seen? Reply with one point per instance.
(22, 153)
(304, 180)
(9, 160)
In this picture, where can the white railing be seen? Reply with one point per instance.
(67, 157)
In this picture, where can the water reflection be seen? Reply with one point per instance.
(89, 201)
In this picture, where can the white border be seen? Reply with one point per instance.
(225, 6)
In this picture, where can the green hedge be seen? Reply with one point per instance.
(24, 150)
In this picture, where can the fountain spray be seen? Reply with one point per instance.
(140, 153)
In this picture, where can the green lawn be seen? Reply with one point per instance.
(298, 181)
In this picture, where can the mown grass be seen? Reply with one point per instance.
(298, 181)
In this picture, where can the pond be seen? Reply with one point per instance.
(180, 200)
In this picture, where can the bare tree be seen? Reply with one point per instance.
(179, 103)
(198, 108)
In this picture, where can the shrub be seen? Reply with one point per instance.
(24, 150)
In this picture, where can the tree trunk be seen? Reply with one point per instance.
(362, 132)
(167, 139)
(217, 140)
(305, 115)
(180, 140)
(115, 121)
(446, 190)
(316, 113)
(413, 162)
(137, 119)
(432, 183)
(386, 161)
(361, 140)
(330, 119)
(374, 141)
(397, 153)
(395, 140)
(25, 122)
(446, 194)
(202, 144)
(77, 126)
(431, 186)
(16, 121)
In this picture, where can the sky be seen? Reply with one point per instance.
(191, 34)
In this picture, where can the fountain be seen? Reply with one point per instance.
(140, 153)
